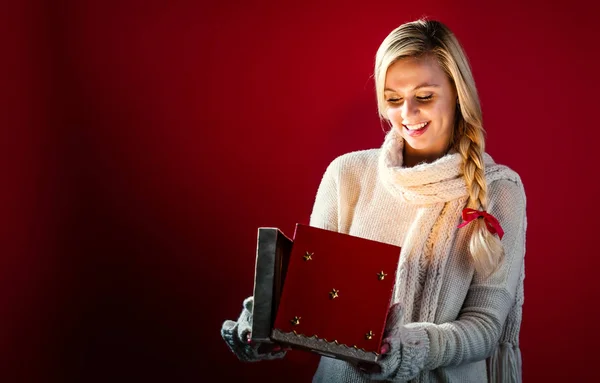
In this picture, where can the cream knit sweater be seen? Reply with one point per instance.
(454, 318)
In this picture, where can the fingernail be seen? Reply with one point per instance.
(384, 349)
(249, 338)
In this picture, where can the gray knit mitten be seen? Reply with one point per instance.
(236, 335)
(407, 348)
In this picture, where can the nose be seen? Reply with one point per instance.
(409, 109)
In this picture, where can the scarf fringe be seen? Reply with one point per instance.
(504, 365)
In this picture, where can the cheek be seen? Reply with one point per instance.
(449, 116)
(394, 116)
(443, 113)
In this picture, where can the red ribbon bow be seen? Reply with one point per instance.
(491, 222)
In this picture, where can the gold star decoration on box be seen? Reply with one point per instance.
(333, 293)
(381, 275)
(307, 256)
(369, 335)
(295, 321)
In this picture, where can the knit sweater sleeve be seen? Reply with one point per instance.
(325, 211)
(475, 334)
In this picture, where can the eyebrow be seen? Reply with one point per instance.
(424, 85)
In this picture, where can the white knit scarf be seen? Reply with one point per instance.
(439, 190)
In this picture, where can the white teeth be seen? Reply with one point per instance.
(416, 127)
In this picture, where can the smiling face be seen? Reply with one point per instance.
(421, 104)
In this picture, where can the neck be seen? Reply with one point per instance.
(412, 157)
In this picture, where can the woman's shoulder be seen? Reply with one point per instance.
(499, 174)
(356, 160)
(503, 182)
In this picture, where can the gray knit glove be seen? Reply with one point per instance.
(404, 349)
(237, 335)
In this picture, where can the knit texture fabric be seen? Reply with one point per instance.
(235, 334)
(457, 325)
(407, 349)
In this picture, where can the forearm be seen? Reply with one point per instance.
(416, 347)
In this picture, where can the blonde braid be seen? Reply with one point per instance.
(486, 248)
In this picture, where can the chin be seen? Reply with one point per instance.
(415, 144)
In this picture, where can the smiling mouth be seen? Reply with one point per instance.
(416, 127)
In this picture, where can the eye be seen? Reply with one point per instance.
(392, 100)
(425, 98)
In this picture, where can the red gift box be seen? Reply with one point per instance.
(336, 294)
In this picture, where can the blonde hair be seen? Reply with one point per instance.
(429, 38)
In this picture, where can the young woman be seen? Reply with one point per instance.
(458, 216)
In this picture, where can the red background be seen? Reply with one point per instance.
(143, 142)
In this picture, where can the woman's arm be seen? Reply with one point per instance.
(475, 333)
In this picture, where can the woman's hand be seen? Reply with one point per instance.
(266, 348)
(373, 368)
(381, 369)
(237, 335)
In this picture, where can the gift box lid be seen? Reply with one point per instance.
(338, 288)
(272, 254)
